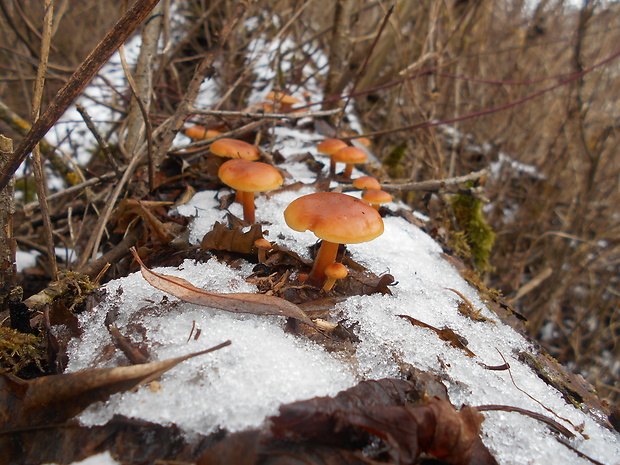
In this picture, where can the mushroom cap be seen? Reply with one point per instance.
(336, 270)
(376, 196)
(233, 148)
(282, 98)
(249, 176)
(350, 155)
(334, 217)
(262, 243)
(200, 132)
(366, 182)
(330, 146)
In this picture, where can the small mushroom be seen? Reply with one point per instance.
(351, 156)
(248, 177)
(284, 101)
(376, 197)
(200, 132)
(263, 246)
(366, 182)
(330, 146)
(334, 271)
(337, 219)
(233, 148)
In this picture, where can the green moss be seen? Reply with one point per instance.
(475, 233)
(18, 350)
(393, 161)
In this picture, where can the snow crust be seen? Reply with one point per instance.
(239, 386)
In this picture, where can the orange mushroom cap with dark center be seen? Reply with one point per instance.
(351, 156)
(337, 219)
(248, 177)
(233, 148)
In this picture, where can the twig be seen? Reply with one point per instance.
(145, 116)
(554, 425)
(262, 115)
(435, 184)
(70, 190)
(532, 397)
(7, 240)
(41, 184)
(82, 76)
(105, 148)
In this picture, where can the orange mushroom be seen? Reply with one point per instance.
(366, 182)
(337, 219)
(334, 271)
(233, 148)
(330, 146)
(248, 177)
(285, 101)
(351, 156)
(200, 132)
(263, 246)
(376, 197)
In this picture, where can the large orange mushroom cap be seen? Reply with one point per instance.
(337, 219)
(334, 217)
(233, 148)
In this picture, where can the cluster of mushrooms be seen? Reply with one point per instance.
(333, 217)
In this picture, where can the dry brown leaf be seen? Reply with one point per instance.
(129, 209)
(57, 398)
(468, 309)
(445, 334)
(242, 302)
(233, 240)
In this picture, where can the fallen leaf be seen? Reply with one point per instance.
(54, 399)
(233, 240)
(242, 302)
(468, 309)
(445, 334)
(436, 428)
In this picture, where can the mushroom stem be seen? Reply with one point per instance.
(332, 166)
(329, 284)
(327, 254)
(247, 199)
(348, 170)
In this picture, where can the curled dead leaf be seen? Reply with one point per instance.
(445, 334)
(57, 398)
(241, 302)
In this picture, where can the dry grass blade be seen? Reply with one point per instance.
(242, 302)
